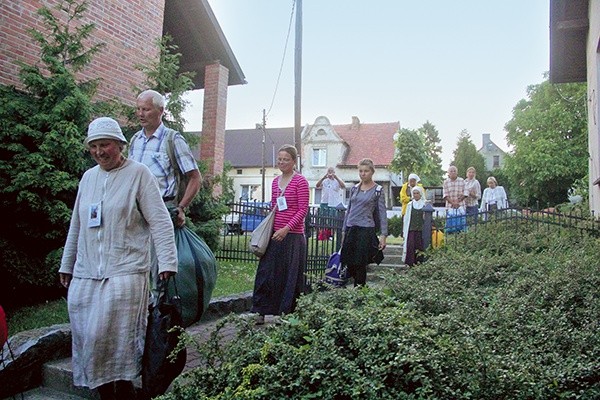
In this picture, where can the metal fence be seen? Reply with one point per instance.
(323, 228)
(546, 222)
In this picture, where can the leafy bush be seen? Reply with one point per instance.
(395, 226)
(512, 314)
(206, 209)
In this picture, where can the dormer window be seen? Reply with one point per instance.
(319, 157)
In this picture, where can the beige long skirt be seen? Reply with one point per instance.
(108, 324)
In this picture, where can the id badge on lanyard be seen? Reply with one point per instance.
(281, 204)
(95, 215)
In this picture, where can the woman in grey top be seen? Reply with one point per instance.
(365, 217)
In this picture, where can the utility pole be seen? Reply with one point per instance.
(264, 134)
(298, 85)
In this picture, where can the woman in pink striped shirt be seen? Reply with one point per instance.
(280, 274)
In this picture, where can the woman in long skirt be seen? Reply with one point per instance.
(413, 229)
(280, 274)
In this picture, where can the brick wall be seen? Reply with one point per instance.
(128, 27)
(212, 142)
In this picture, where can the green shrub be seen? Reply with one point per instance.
(508, 315)
(395, 226)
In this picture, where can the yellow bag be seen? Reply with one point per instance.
(437, 238)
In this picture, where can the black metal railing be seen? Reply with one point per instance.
(548, 222)
(323, 229)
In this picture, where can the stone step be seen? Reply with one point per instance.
(393, 249)
(58, 375)
(42, 393)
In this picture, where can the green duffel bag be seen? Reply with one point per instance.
(196, 275)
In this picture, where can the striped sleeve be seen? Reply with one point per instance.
(297, 198)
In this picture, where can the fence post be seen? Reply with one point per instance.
(427, 224)
(339, 225)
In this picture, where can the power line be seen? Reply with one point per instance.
(283, 58)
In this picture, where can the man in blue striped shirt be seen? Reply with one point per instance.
(151, 146)
(163, 150)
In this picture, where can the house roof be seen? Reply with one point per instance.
(243, 147)
(196, 31)
(569, 24)
(364, 140)
(489, 145)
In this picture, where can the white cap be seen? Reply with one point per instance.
(104, 128)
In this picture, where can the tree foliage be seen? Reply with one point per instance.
(431, 173)
(465, 155)
(418, 151)
(548, 133)
(163, 75)
(410, 152)
(41, 148)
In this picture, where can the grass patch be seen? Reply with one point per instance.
(32, 317)
(232, 278)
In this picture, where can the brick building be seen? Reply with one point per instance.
(129, 29)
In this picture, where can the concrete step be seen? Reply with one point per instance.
(42, 393)
(393, 249)
(58, 375)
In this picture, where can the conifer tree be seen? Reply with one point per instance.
(43, 125)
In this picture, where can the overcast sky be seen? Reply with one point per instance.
(461, 64)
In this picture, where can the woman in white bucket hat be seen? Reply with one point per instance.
(106, 263)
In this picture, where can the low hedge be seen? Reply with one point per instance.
(510, 315)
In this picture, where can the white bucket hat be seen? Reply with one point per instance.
(104, 128)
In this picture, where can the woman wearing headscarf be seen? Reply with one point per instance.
(106, 263)
(406, 190)
(413, 228)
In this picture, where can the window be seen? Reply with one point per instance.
(319, 158)
(317, 196)
(248, 192)
(496, 162)
(239, 171)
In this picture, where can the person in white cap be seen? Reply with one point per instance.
(106, 263)
(407, 190)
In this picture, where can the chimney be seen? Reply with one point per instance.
(355, 123)
(486, 139)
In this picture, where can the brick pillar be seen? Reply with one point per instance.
(212, 143)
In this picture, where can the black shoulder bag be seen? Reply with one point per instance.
(157, 370)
